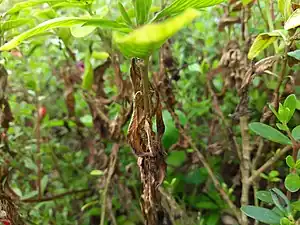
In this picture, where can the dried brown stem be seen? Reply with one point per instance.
(55, 197)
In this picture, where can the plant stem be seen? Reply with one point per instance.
(145, 80)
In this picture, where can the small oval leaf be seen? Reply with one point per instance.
(292, 182)
(261, 214)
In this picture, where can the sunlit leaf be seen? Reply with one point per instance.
(290, 103)
(290, 161)
(142, 8)
(124, 14)
(261, 214)
(262, 41)
(143, 41)
(79, 31)
(26, 4)
(269, 133)
(97, 173)
(11, 24)
(285, 8)
(61, 22)
(293, 21)
(100, 55)
(179, 6)
(292, 182)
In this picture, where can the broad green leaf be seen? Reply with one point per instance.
(142, 8)
(179, 6)
(79, 31)
(176, 158)
(264, 196)
(246, 2)
(290, 103)
(61, 5)
(143, 41)
(61, 22)
(261, 214)
(88, 76)
(296, 133)
(11, 24)
(293, 21)
(290, 161)
(285, 8)
(295, 54)
(263, 40)
(124, 14)
(292, 182)
(269, 133)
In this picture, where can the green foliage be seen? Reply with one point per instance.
(142, 42)
(269, 133)
(261, 214)
(142, 8)
(293, 21)
(292, 182)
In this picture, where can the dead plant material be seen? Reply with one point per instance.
(146, 144)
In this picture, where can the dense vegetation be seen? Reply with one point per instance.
(182, 112)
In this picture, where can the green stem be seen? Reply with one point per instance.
(270, 22)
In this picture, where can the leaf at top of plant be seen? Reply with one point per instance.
(290, 103)
(293, 21)
(61, 22)
(261, 214)
(269, 133)
(281, 126)
(271, 107)
(296, 133)
(144, 40)
(142, 8)
(295, 54)
(263, 40)
(97, 172)
(292, 182)
(178, 6)
(285, 8)
(290, 161)
(124, 14)
(284, 114)
(264, 196)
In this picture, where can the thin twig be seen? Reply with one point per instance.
(269, 163)
(112, 165)
(46, 199)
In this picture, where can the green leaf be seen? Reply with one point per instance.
(262, 41)
(296, 205)
(290, 161)
(143, 41)
(26, 4)
(283, 114)
(295, 54)
(124, 14)
(179, 6)
(142, 8)
(296, 133)
(261, 214)
(290, 103)
(79, 31)
(246, 2)
(11, 24)
(269, 133)
(292, 182)
(283, 198)
(283, 127)
(100, 55)
(61, 22)
(264, 196)
(97, 173)
(88, 76)
(274, 111)
(176, 158)
(293, 21)
(285, 8)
